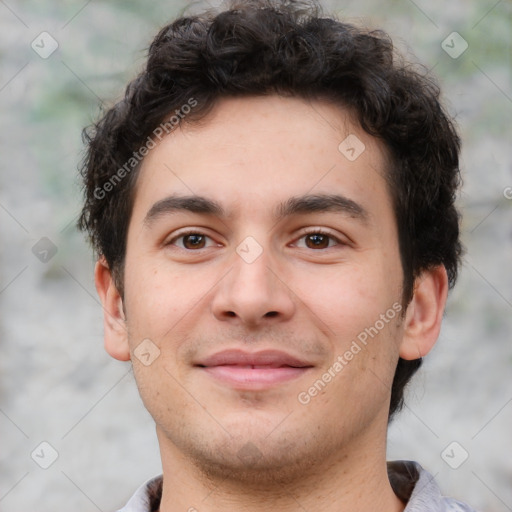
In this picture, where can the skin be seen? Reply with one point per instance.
(225, 448)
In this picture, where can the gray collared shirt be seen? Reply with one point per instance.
(410, 482)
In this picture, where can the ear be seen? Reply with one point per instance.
(424, 313)
(114, 322)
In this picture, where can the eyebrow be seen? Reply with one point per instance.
(173, 204)
(321, 203)
(309, 203)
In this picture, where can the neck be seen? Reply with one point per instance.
(355, 480)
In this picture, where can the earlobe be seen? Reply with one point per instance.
(424, 313)
(114, 322)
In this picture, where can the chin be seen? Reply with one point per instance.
(251, 467)
(257, 459)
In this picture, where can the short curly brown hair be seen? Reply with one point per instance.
(287, 47)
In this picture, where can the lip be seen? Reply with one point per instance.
(258, 370)
(268, 358)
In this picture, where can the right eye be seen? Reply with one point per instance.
(191, 240)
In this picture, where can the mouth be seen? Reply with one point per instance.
(244, 370)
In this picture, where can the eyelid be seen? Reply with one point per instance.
(303, 233)
(181, 234)
(321, 231)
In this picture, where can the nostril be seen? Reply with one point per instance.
(271, 313)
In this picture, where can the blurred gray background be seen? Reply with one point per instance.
(57, 384)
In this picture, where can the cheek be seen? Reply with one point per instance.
(358, 307)
(161, 299)
(152, 297)
(346, 298)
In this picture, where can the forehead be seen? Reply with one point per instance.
(250, 152)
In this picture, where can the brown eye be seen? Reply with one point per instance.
(317, 241)
(194, 241)
(191, 240)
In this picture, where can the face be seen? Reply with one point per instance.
(263, 279)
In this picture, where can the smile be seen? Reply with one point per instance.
(252, 377)
(253, 371)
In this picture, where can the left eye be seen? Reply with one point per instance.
(191, 241)
(318, 240)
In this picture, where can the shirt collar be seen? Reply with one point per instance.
(410, 482)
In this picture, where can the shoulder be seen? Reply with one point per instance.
(418, 488)
(146, 498)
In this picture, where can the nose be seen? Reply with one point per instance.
(254, 292)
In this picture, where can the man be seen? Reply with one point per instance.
(272, 204)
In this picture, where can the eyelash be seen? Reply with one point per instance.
(317, 231)
(320, 231)
(183, 235)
